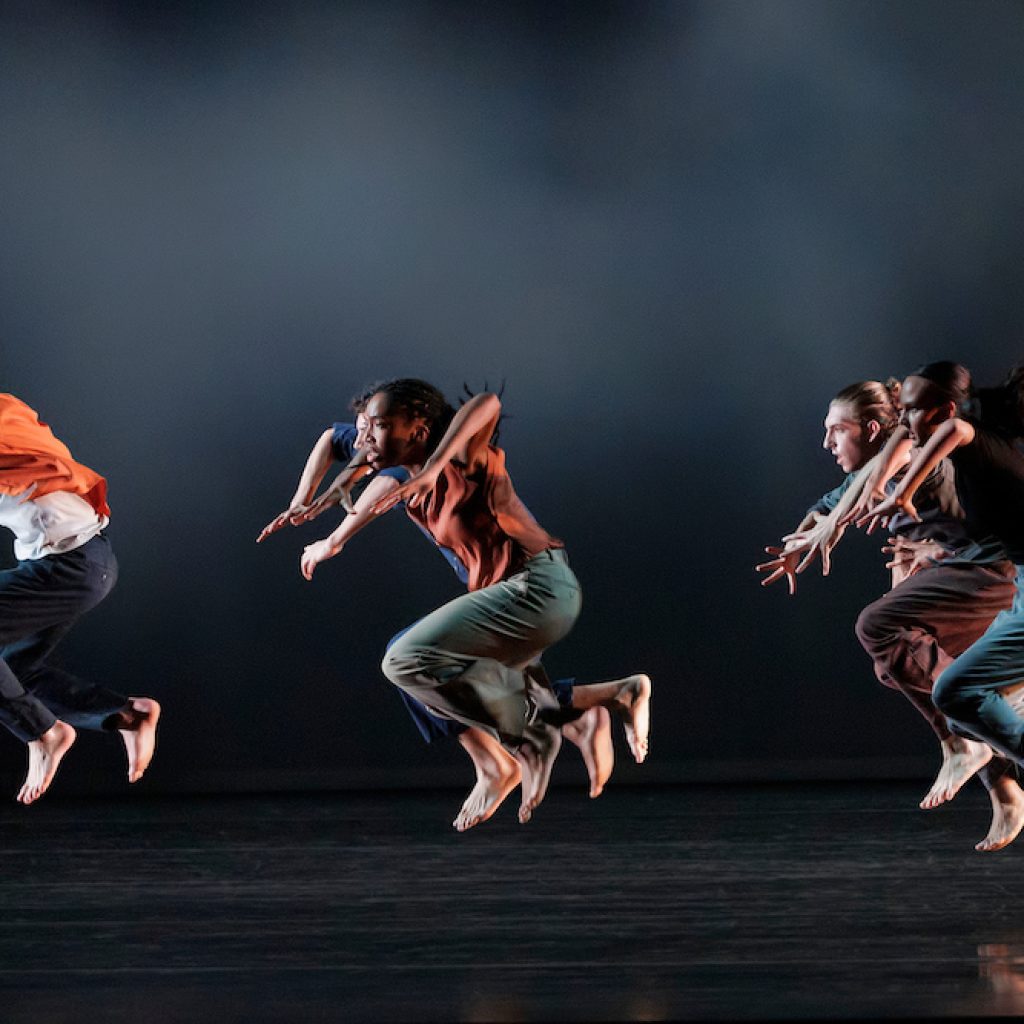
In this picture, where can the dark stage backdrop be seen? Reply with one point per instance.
(673, 229)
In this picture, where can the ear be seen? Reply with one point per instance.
(873, 428)
(420, 432)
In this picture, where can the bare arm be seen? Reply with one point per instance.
(816, 535)
(338, 493)
(895, 454)
(317, 463)
(466, 439)
(953, 434)
(319, 551)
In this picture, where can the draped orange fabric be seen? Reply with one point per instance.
(30, 454)
(482, 520)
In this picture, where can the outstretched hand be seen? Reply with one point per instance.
(909, 557)
(335, 495)
(291, 516)
(816, 541)
(865, 504)
(412, 492)
(882, 513)
(313, 554)
(785, 563)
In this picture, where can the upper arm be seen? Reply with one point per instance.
(964, 430)
(378, 488)
(489, 412)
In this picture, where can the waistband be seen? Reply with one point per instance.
(548, 554)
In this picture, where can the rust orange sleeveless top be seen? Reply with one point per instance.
(481, 519)
(30, 454)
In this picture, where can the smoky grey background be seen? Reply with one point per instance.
(673, 229)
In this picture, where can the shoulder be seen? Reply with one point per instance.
(343, 440)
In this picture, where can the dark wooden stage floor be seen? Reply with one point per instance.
(697, 903)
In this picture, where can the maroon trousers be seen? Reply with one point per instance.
(918, 628)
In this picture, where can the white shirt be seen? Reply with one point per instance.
(49, 524)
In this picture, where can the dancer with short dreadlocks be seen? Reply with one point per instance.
(467, 660)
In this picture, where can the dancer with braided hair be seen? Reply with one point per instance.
(497, 771)
(466, 660)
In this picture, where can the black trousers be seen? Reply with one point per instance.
(40, 600)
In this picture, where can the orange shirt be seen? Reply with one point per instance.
(30, 454)
(481, 519)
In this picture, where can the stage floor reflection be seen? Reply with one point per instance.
(699, 902)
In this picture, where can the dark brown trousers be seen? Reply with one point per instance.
(916, 630)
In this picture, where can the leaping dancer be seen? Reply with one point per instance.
(57, 510)
(488, 536)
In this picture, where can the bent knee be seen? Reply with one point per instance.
(946, 693)
(403, 661)
(392, 663)
(873, 626)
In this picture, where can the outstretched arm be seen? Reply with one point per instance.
(338, 493)
(952, 434)
(816, 536)
(909, 557)
(895, 454)
(313, 554)
(466, 440)
(317, 463)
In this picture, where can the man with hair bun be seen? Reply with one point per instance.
(946, 589)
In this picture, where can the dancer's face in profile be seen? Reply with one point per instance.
(923, 407)
(850, 440)
(392, 437)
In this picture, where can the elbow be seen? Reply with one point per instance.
(962, 429)
(489, 403)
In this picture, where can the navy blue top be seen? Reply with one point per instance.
(343, 448)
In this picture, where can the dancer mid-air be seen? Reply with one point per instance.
(980, 435)
(497, 771)
(57, 510)
(488, 537)
(947, 589)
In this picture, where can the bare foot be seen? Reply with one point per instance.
(44, 756)
(140, 740)
(633, 705)
(497, 774)
(592, 733)
(961, 758)
(1007, 816)
(536, 754)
